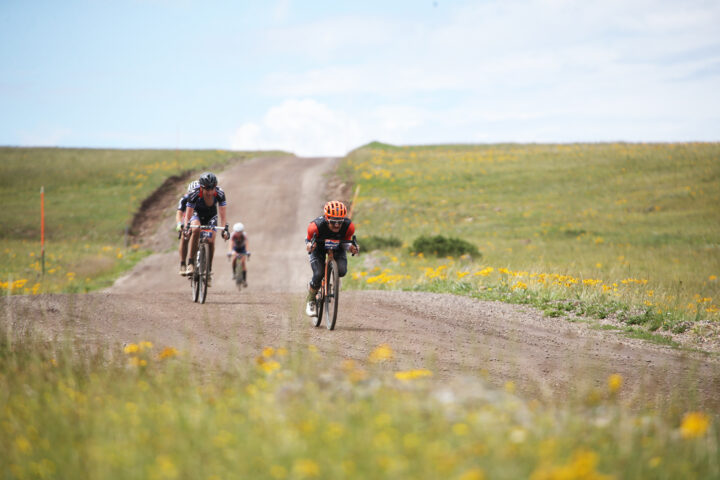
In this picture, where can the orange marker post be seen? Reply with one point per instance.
(42, 228)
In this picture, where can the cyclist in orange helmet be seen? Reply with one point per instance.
(334, 225)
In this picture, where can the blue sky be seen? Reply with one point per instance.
(323, 77)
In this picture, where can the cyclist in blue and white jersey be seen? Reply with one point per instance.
(204, 206)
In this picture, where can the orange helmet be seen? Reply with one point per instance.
(335, 209)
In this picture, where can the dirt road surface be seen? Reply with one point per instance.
(458, 338)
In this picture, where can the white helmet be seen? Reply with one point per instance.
(193, 185)
(238, 227)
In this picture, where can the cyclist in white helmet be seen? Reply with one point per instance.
(239, 248)
(179, 217)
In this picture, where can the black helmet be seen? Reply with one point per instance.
(208, 180)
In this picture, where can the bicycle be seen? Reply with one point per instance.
(237, 274)
(198, 279)
(328, 297)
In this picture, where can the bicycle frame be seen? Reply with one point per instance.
(325, 298)
(198, 279)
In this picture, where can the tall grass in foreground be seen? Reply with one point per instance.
(142, 411)
(90, 199)
(629, 225)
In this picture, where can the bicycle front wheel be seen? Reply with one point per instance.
(203, 266)
(333, 295)
(238, 275)
(195, 285)
(319, 303)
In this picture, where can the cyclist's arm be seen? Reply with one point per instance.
(349, 238)
(311, 232)
(221, 215)
(350, 232)
(188, 215)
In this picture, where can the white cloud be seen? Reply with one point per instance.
(304, 127)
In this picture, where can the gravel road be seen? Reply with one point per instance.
(457, 338)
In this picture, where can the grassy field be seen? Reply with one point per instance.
(625, 230)
(144, 411)
(73, 410)
(90, 199)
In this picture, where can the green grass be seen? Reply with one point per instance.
(90, 199)
(614, 228)
(147, 411)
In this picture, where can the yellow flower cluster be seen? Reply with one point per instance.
(694, 424)
(413, 374)
(381, 354)
(386, 276)
(267, 362)
(439, 272)
(582, 465)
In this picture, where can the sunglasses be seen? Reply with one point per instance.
(335, 222)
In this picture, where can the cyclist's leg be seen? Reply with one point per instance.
(341, 260)
(317, 263)
(194, 237)
(183, 249)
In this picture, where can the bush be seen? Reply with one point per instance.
(368, 244)
(444, 246)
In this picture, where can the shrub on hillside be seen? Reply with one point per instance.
(444, 246)
(373, 242)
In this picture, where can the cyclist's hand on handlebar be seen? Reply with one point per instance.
(179, 226)
(354, 249)
(310, 246)
(226, 232)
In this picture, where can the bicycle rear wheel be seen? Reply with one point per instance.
(203, 266)
(332, 296)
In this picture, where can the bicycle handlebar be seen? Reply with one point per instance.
(205, 227)
(313, 241)
(208, 227)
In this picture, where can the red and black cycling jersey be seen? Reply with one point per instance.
(200, 208)
(320, 227)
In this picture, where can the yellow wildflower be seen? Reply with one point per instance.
(473, 474)
(269, 367)
(694, 425)
(167, 353)
(138, 362)
(413, 374)
(304, 468)
(614, 382)
(381, 353)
